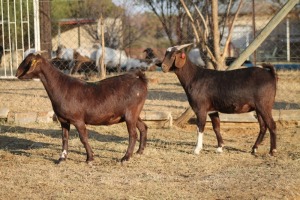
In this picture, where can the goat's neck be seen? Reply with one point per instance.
(187, 73)
(50, 77)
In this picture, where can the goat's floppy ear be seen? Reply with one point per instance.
(180, 59)
(33, 64)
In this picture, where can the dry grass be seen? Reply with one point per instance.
(167, 170)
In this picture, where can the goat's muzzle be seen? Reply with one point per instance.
(20, 72)
(165, 68)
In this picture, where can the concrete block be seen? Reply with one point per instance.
(4, 112)
(45, 117)
(25, 117)
(286, 115)
(163, 117)
(243, 117)
(11, 117)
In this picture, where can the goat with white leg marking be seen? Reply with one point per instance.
(235, 91)
(110, 101)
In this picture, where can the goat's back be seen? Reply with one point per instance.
(245, 77)
(103, 102)
(234, 91)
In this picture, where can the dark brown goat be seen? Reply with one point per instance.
(110, 101)
(235, 91)
(149, 53)
(61, 64)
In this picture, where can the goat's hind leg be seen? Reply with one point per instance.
(215, 120)
(83, 135)
(142, 127)
(131, 127)
(271, 125)
(261, 135)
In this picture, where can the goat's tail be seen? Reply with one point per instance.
(271, 68)
(139, 74)
(273, 72)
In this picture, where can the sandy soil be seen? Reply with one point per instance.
(167, 170)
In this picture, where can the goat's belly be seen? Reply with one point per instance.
(243, 108)
(107, 120)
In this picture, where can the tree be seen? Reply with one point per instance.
(171, 15)
(122, 29)
(207, 25)
(92, 10)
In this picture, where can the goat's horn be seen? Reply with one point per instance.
(179, 47)
(40, 52)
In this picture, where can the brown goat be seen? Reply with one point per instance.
(235, 91)
(110, 101)
(83, 64)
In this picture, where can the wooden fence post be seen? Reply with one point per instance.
(45, 28)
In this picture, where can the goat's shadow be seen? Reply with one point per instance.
(56, 133)
(188, 147)
(20, 146)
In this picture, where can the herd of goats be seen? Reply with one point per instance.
(121, 98)
(87, 60)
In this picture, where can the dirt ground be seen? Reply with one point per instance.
(168, 169)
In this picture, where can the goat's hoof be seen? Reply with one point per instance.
(89, 160)
(254, 150)
(140, 151)
(197, 151)
(273, 152)
(125, 158)
(219, 150)
(61, 160)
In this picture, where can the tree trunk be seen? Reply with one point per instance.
(216, 34)
(45, 26)
(184, 117)
(102, 69)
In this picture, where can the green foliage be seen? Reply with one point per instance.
(83, 9)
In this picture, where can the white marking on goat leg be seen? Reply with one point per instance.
(199, 145)
(219, 150)
(63, 154)
(255, 150)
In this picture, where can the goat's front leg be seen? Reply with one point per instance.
(83, 135)
(201, 120)
(215, 120)
(65, 138)
(131, 127)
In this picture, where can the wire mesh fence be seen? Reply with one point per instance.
(136, 34)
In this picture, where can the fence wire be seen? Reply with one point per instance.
(134, 36)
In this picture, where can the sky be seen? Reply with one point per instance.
(130, 6)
